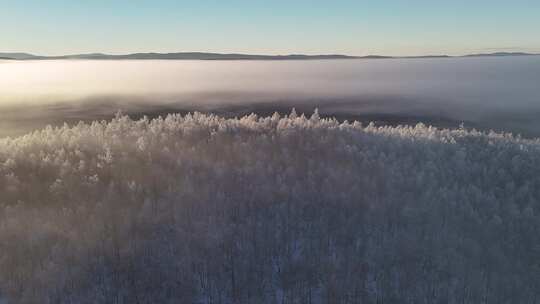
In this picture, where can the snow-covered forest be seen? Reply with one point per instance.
(203, 209)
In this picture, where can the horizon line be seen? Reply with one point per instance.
(21, 55)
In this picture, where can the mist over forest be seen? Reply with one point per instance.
(498, 93)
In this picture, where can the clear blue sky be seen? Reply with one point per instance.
(356, 27)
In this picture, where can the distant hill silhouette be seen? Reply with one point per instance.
(176, 56)
(18, 56)
(500, 54)
(218, 56)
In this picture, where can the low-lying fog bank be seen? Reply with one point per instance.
(486, 93)
(201, 209)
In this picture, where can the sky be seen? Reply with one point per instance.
(353, 27)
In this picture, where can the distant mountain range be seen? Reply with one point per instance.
(218, 56)
(175, 56)
(501, 54)
(18, 56)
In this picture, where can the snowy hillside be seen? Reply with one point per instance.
(202, 209)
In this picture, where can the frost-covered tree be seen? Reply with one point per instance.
(202, 209)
